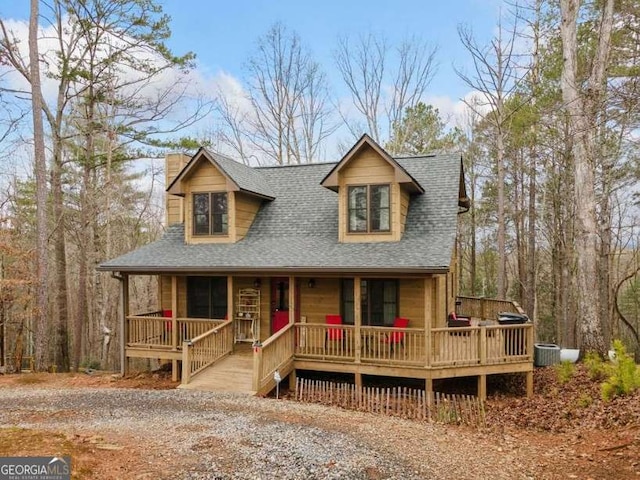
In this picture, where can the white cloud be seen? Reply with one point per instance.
(454, 112)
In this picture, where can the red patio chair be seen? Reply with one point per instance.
(334, 334)
(397, 338)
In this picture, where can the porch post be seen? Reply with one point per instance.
(124, 324)
(230, 297)
(482, 387)
(174, 326)
(428, 315)
(357, 314)
(292, 299)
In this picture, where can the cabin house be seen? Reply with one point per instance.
(345, 267)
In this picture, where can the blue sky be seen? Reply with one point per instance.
(224, 33)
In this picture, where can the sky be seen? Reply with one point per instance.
(223, 34)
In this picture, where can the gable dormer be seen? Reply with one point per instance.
(220, 198)
(373, 194)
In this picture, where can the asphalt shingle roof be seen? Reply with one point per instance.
(299, 229)
(247, 178)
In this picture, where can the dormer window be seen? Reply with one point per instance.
(210, 214)
(369, 208)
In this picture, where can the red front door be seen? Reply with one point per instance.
(280, 303)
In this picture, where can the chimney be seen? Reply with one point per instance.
(174, 211)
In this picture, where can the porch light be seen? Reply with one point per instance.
(312, 283)
(257, 283)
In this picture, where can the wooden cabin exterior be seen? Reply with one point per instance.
(265, 257)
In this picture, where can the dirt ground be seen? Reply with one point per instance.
(568, 448)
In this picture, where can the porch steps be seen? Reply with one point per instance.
(233, 373)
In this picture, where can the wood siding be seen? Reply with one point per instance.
(174, 162)
(246, 208)
(405, 199)
(165, 294)
(206, 178)
(369, 168)
(411, 301)
(321, 300)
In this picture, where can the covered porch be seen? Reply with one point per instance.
(289, 328)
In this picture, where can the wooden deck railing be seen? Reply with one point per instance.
(152, 330)
(276, 353)
(325, 342)
(450, 347)
(395, 346)
(485, 308)
(206, 349)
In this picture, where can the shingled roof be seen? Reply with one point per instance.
(245, 178)
(298, 230)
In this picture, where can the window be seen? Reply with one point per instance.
(207, 297)
(210, 216)
(369, 208)
(379, 302)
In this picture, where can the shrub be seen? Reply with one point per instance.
(565, 371)
(596, 367)
(624, 375)
(585, 400)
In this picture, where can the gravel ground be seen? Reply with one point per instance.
(196, 435)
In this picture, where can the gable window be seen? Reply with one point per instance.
(378, 302)
(369, 208)
(210, 215)
(207, 297)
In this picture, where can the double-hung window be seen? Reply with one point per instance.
(369, 208)
(210, 215)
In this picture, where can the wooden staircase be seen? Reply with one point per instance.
(233, 373)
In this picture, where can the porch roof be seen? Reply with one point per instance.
(298, 230)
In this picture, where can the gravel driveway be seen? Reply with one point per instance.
(193, 435)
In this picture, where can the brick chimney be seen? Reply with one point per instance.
(174, 211)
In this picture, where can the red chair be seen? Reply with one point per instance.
(397, 338)
(334, 334)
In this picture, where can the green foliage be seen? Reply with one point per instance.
(596, 368)
(422, 130)
(585, 400)
(565, 371)
(624, 374)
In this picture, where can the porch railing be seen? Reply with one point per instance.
(400, 346)
(325, 342)
(206, 349)
(152, 330)
(485, 308)
(450, 347)
(275, 354)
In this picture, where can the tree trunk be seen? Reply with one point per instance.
(40, 327)
(581, 107)
(502, 255)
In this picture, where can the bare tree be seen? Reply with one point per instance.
(289, 117)
(41, 324)
(495, 77)
(582, 104)
(366, 68)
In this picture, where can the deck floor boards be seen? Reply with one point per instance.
(233, 373)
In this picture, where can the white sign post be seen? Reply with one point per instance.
(278, 379)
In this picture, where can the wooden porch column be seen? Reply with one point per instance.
(292, 299)
(428, 319)
(530, 384)
(482, 387)
(124, 324)
(357, 314)
(230, 309)
(174, 326)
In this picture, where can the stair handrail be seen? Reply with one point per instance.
(206, 349)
